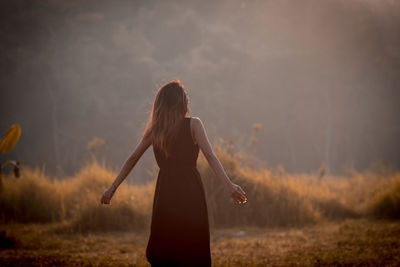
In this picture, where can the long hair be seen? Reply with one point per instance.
(170, 106)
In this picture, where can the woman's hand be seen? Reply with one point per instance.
(237, 193)
(108, 194)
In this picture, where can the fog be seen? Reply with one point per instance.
(321, 77)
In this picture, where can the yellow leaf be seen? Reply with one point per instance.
(11, 138)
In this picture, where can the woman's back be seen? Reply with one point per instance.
(179, 228)
(183, 150)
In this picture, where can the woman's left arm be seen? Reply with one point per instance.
(144, 143)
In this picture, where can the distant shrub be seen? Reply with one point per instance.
(36, 198)
(333, 209)
(270, 201)
(31, 198)
(129, 209)
(385, 202)
(121, 216)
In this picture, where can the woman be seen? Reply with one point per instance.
(179, 228)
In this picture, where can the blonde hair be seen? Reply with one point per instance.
(169, 109)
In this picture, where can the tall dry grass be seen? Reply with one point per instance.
(275, 197)
(270, 201)
(384, 202)
(278, 198)
(35, 197)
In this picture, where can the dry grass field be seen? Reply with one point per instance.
(352, 242)
(303, 219)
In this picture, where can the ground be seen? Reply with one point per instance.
(356, 242)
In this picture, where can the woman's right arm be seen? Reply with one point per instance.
(201, 139)
(144, 143)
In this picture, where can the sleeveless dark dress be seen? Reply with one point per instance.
(179, 233)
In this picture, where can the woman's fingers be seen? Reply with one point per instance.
(240, 191)
(239, 196)
(243, 199)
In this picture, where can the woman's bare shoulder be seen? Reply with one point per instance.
(196, 122)
(195, 119)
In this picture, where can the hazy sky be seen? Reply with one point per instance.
(322, 77)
